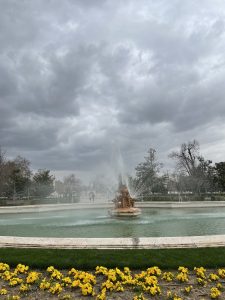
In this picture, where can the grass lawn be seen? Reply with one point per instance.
(87, 259)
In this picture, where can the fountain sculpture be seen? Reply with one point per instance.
(124, 204)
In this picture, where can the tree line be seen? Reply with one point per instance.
(17, 180)
(192, 174)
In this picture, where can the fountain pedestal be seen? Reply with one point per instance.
(124, 205)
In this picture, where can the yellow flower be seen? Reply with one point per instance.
(3, 292)
(24, 288)
(6, 275)
(214, 293)
(101, 270)
(219, 286)
(56, 274)
(50, 269)
(182, 277)
(183, 269)
(169, 295)
(16, 297)
(20, 268)
(112, 275)
(172, 296)
(188, 289)
(200, 272)
(213, 277)
(44, 285)
(102, 295)
(168, 276)
(67, 280)
(15, 281)
(201, 281)
(221, 273)
(32, 277)
(151, 280)
(72, 271)
(86, 289)
(4, 267)
(118, 287)
(55, 289)
(154, 290)
(154, 271)
(126, 270)
(139, 297)
(75, 283)
(108, 284)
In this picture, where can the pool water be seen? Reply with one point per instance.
(97, 223)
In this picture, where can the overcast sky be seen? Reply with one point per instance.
(84, 80)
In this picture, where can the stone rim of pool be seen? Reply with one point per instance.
(112, 243)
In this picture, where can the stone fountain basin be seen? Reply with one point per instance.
(141, 242)
(131, 212)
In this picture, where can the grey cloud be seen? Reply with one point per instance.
(77, 75)
(30, 134)
(82, 155)
(51, 90)
(51, 87)
(204, 104)
(8, 81)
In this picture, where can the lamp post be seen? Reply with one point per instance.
(14, 192)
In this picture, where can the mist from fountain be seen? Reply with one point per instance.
(121, 175)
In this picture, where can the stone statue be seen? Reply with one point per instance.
(123, 198)
(124, 204)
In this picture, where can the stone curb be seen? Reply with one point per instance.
(68, 206)
(113, 243)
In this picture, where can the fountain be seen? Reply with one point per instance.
(124, 204)
(88, 225)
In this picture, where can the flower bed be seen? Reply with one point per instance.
(104, 283)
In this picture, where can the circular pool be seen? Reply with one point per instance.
(96, 223)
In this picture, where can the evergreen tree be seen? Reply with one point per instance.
(147, 173)
(43, 183)
(219, 176)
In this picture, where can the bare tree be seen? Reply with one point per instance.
(187, 157)
(59, 188)
(193, 169)
(72, 188)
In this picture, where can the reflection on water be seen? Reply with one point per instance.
(97, 223)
